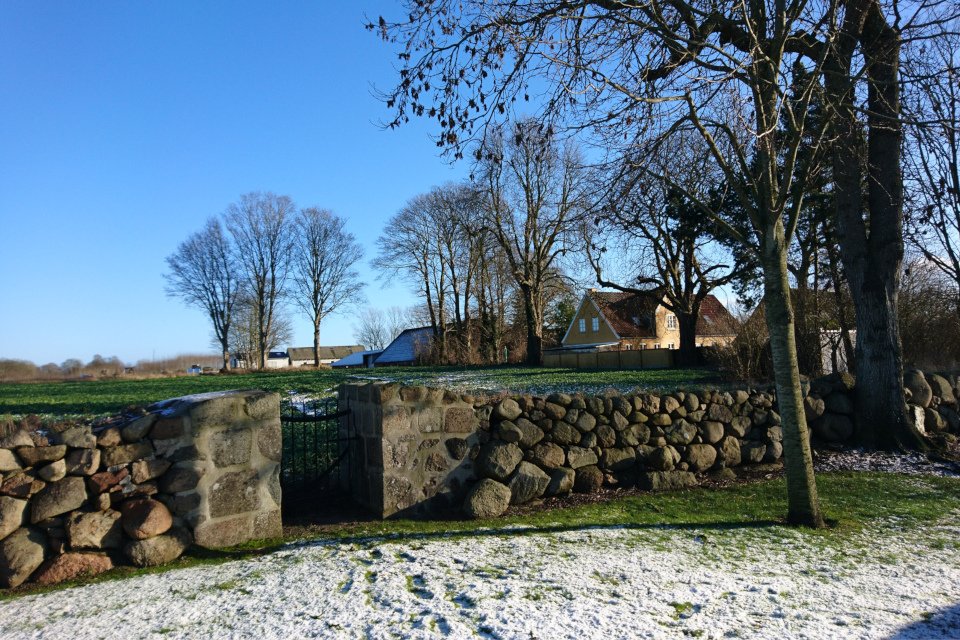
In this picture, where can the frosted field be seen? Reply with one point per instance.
(645, 582)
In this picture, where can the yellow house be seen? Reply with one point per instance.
(614, 320)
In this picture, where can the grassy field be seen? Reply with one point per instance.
(105, 397)
(851, 502)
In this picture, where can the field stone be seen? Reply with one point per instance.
(561, 399)
(832, 427)
(679, 433)
(594, 405)
(915, 381)
(554, 411)
(773, 434)
(711, 432)
(53, 471)
(564, 434)
(139, 428)
(57, 498)
(719, 413)
(933, 421)
(83, 462)
(774, 452)
(615, 459)
(103, 481)
(606, 436)
(159, 549)
(738, 426)
(145, 470)
(547, 455)
(527, 483)
(71, 565)
(13, 515)
(838, 403)
(457, 448)
(669, 404)
(571, 416)
(9, 461)
(634, 435)
(660, 420)
(509, 432)
(530, 434)
(752, 452)
(663, 458)
(77, 438)
(585, 422)
(231, 447)
(589, 440)
(144, 518)
(19, 438)
(647, 403)
(700, 457)
(507, 409)
(498, 459)
(561, 482)
(729, 451)
(588, 479)
(109, 437)
(125, 453)
(34, 456)
(578, 457)
(487, 499)
(619, 421)
(666, 480)
(941, 388)
(179, 479)
(22, 484)
(21, 553)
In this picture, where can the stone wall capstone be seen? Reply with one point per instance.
(141, 489)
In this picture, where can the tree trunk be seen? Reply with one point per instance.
(687, 323)
(316, 344)
(226, 354)
(803, 504)
(534, 329)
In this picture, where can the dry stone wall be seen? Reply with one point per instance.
(141, 489)
(420, 450)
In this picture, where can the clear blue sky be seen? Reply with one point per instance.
(123, 126)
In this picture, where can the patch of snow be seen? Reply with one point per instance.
(747, 582)
(862, 460)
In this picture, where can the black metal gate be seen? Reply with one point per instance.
(314, 450)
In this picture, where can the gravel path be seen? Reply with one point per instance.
(656, 582)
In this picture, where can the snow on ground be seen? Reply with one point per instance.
(651, 582)
(863, 460)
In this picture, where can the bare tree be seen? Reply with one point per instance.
(371, 331)
(638, 73)
(535, 188)
(261, 228)
(324, 281)
(204, 274)
(246, 340)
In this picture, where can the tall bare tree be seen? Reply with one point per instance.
(535, 188)
(323, 277)
(203, 272)
(639, 72)
(260, 224)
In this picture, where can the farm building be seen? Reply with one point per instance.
(358, 360)
(408, 348)
(303, 356)
(275, 360)
(624, 321)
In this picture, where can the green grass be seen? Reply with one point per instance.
(851, 501)
(106, 397)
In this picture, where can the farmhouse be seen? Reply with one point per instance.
(275, 360)
(303, 356)
(618, 321)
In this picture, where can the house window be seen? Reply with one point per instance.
(596, 324)
(670, 345)
(699, 344)
(671, 323)
(656, 345)
(629, 347)
(583, 325)
(643, 345)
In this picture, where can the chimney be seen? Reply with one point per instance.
(591, 290)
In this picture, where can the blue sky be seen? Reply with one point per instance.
(123, 126)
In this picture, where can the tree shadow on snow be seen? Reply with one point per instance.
(944, 623)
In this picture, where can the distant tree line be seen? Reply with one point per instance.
(262, 258)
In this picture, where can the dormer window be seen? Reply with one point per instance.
(583, 325)
(596, 324)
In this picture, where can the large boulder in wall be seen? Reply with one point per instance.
(498, 459)
(920, 391)
(487, 499)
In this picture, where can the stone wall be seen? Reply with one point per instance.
(141, 488)
(421, 450)
(411, 447)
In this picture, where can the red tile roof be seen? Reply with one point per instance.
(631, 315)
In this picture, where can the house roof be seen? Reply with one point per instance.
(326, 353)
(406, 346)
(354, 359)
(631, 316)
(276, 355)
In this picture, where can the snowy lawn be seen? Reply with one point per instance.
(897, 576)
